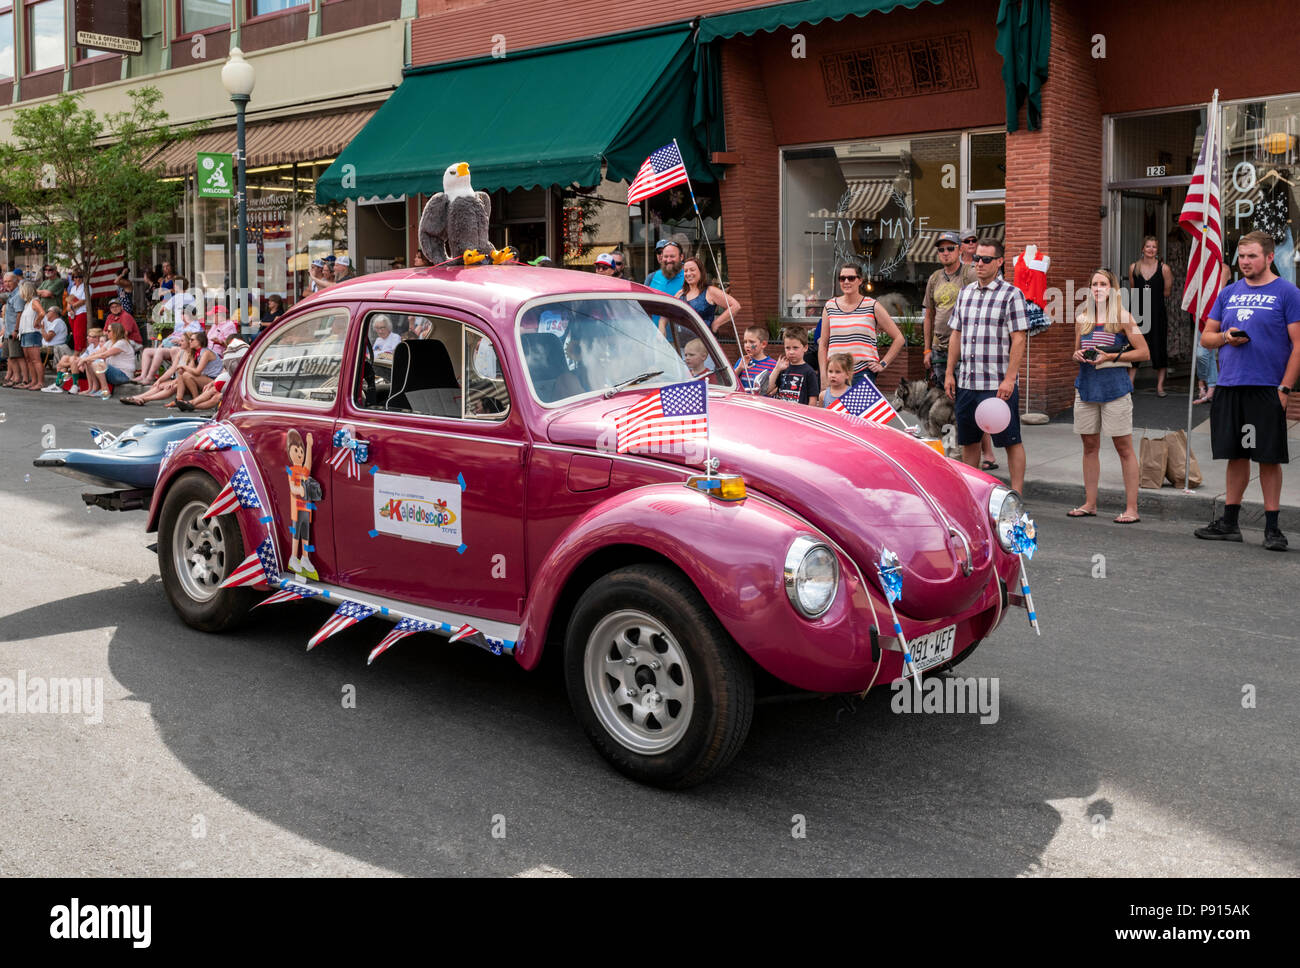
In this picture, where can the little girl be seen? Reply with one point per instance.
(839, 377)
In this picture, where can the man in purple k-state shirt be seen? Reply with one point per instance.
(1256, 324)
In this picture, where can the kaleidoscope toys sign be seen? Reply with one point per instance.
(417, 509)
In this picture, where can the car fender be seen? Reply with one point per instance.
(734, 553)
(217, 464)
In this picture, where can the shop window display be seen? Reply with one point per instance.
(1261, 176)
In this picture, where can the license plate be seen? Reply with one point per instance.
(932, 649)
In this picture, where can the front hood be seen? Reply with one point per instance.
(865, 486)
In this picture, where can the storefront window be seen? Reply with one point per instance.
(203, 14)
(45, 35)
(320, 230)
(882, 204)
(7, 44)
(1261, 176)
(1156, 145)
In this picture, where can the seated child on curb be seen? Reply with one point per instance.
(113, 364)
(74, 365)
(839, 377)
(791, 378)
(755, 365)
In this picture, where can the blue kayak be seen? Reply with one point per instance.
(130, 460)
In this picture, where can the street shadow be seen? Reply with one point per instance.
(447, 745)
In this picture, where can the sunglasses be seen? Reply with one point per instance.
(848, 278)
(947, 248)
(973, 238)
(986, 259)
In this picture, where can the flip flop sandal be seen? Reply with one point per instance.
(988, 465)
(1124, 520)
(1080, 513)
(131, 401)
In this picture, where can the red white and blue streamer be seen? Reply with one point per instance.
(348, 614)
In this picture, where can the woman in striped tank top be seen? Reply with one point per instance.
(849, 325)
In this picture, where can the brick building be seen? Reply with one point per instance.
(863, 129)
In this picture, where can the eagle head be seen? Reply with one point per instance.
(455, 181)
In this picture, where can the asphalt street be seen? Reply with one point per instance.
(1150, 731)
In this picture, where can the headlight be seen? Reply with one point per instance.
(812, 574)
(1005, 508)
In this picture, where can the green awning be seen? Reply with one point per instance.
(792, 14)
(1024, 41)
(535, 118)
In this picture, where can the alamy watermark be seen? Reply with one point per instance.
(58, 696)
(948, 694)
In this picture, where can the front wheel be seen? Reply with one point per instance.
(196, 554)
(659, 686)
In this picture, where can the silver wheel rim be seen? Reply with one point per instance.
(199, 552)
(639, 682)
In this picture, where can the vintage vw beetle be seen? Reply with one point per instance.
(458, 429)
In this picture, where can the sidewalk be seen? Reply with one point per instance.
(1054, 465)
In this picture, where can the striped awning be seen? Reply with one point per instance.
(867, 197)
(317, 137)
(925, 245)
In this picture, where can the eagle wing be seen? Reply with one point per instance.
(433, 229)
(485, 200)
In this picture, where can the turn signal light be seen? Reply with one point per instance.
(724, 487)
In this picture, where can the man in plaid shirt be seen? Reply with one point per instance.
(990, 317)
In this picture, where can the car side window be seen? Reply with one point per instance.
(301, 361)
(431, 366)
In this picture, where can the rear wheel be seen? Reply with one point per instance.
(657, 683)
(196, 554)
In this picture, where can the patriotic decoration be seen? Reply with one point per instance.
(217, 437)
(661, 171)
(673, 414)
(407, 626)
(890, 570)
(262, 566)
(1024, 542)
(289, 592)
(349, 445)
(105, 274)
(463, 632)
(1098, 339)
(1201, 218)
(103, 439)
(348, 614)
(238, 493)
(167, 454)
(864, 400)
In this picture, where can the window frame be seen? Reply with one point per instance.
(282, 327)
(182, 34)
(29, 47)
(10, 7)
(252, 18)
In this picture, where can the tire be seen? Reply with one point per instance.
(192, 585)
(692, 710)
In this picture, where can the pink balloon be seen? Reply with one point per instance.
(993, 415)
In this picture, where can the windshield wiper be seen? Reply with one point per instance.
(640, 378)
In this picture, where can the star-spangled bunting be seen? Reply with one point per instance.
(289, 592)
(462, 632)
(343, 460)
(673, 414)
(167, 454)
(348, 614)
(262, 566)
(238, 493)
(661, 171)
(407, 626)
(865, 401)
(216, 437)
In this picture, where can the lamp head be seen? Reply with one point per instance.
(237, 75)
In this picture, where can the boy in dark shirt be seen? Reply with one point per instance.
(791, 378)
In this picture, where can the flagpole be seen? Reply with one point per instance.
(1211, 162)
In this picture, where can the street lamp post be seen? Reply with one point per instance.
(237, 77)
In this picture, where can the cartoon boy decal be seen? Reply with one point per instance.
(299, 469)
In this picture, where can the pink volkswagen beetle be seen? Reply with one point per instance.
(436, 451)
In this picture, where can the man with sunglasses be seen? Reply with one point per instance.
(968, 242)
(940, 298)
(993, 323)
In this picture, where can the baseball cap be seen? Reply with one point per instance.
(330, 258)
(605, 259)
(950, 236)
(115, 302)
(969, 234)
(661, 243)
(318, 263)
(343, 261)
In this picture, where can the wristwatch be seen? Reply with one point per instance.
(1284, 389)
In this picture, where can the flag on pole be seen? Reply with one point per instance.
(259, 567)
(1202, 218)
(864, 400)
(105, 274)
(348, 614)
(238, 493)
(405, 627)
(673, 414)
(662, 170)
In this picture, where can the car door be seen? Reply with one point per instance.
(433, 514)
(291, 394)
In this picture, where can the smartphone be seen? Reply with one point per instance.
(1238, 334)
(1090, 353)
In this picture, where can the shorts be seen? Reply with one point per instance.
(116, 377)
(29, 340)
(1207, 365)
(1248, 415)
(14, 346)
(968, 431)
(1114, 418)
(302, 527)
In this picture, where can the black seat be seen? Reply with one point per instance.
(544, 353)
(424, 380)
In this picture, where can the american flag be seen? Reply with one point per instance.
(338, 459)
(864, 400)
(1098, 339)
(167, 454)
(407, 626)
(104, 274)
(662, 170)
(238, 493)
(288, 592)
(348, 614)
(462, 632)
(1202, 218)
(217, 437)
(679, 412)
(262, 566)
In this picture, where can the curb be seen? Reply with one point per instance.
(1169, 504)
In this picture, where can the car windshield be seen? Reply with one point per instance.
(578, 346)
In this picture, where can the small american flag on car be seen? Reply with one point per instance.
(405, 627)
(238, 493)
(661, 171)
(348, 614)
(864, 400)
(673, 414)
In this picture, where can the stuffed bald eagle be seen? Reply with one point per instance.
(455, 222)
